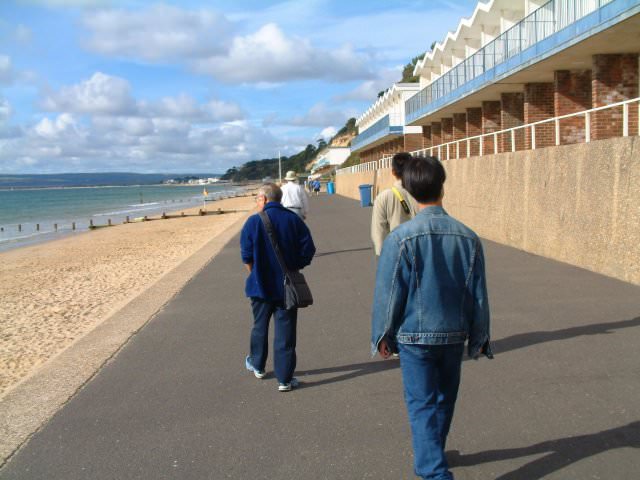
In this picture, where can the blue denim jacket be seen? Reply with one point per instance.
(430, 285)
(266, 280)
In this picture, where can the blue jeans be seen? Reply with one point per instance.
(431, 376)
(284, 342)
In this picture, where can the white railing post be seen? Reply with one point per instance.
(557, 123)
(481, 145)
(457, 149)
(513, 140)
(533, 137)
(587, 127)
(495, 143)
(468, 148)
(440, 152)
(625, 120)
(638, 120)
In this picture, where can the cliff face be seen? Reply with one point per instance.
(343, 140)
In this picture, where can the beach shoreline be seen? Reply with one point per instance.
(55, 292)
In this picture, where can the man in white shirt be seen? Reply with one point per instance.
(294, 197)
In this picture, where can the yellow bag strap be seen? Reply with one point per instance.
(403, 202)
(397, 193)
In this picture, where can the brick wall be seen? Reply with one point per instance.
(511, 115)
(412, 142)
(473, 128)
(436, 135)
(426, 136)
(615, 78)
(491, 122)
(538, 105)
(572, 93)
(447, 136)
(459, 132)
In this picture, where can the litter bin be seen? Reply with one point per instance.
(331, 188)
(365, 195)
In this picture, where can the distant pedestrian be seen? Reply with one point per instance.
(392, 206)
(316, 187)
(294, 196)
(430, 296)
(265, 283)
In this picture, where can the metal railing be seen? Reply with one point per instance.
(550, 18)
(464, 147)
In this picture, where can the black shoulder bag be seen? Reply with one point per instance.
(296, 291)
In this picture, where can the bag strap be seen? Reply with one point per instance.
(403, 202)
(268, 226)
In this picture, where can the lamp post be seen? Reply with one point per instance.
(279, 168)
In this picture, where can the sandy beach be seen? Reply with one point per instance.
(54, 293)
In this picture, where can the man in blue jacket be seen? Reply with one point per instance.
(430, 296)
(265, 283)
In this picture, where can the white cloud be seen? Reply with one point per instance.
(368, 90)
(108, 95)
(270, 56)
(7, 75)
(328, 133)
(184, 106)
(63, 125)
(159, 33)
(320, 116)
(5, 110)
(23, 34)
(101, 94)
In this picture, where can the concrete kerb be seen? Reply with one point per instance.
(26, 408)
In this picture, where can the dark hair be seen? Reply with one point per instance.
(398, 162)
(423, 178)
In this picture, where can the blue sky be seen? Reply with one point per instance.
(99, 85)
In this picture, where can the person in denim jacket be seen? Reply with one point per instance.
(430, 297)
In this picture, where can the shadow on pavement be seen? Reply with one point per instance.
(561, 452)
(324, 254)
(354, 370)
(523, 340)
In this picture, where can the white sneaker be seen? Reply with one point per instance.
(258, 373)
(287, 387)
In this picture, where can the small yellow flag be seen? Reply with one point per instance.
(204, 191)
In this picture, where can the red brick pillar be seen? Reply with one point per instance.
(459, 132)
(436, 136)
(473, 128)
(572, 93)
(426, 136)
(538, 105)
(491, 122)
(511, 115)
(615, 78)
(447, 136)
(412, 142)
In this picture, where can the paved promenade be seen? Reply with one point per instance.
(561, 400)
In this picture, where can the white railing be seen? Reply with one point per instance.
(462, 148)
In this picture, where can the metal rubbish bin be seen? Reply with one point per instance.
(331, 188)
(365, 195)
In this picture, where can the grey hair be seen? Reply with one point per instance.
(271, 191)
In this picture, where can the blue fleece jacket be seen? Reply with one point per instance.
(266, 280)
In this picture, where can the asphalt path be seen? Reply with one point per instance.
(559, 401)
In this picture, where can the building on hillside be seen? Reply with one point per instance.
(382, 129)
(330, 156)
(518, 62)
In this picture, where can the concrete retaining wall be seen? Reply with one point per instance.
(579, 204)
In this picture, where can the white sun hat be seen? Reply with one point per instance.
(291, 176)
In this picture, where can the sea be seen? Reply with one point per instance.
(34, 215)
